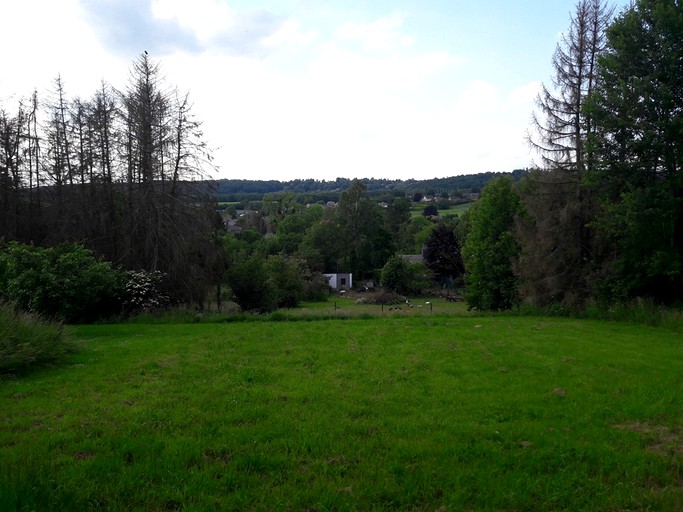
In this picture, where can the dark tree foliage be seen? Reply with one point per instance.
(557, 246)
(249, 281)
(637, 109)
(320, 191)
(398, 218)
(430, 211)
(442, 254)
(400, 276)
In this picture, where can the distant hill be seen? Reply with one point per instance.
(241, 190)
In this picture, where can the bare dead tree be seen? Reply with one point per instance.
(560, 126)
(164, 153)
(10, 179)
(556, 241)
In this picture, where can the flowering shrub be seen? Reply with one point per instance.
(143, 291)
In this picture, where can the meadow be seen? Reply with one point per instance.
(408, 410)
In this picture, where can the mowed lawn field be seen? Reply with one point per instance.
(423, 412)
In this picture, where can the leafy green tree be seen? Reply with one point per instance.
(416, 235)
(366, 242)
(292, 228)
(249, 281)
(400, 276)
(353, 237)
(286, 281)
(394, 274)
(491, 248)
(323, 247)
(398, 218)
(637, 109)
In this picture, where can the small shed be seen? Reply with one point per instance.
(340, 282)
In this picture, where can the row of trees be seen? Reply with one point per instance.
(603, 217)
(600, 219)
(124, 174)
(119, 172)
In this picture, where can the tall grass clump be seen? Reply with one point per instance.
(28, 341)
(640, 311)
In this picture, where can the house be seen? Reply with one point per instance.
(340, 282)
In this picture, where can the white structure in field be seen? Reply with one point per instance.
(340, 282)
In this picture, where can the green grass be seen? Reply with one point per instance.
(417, 209)
(412, 412)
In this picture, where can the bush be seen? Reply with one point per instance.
(394, 274)
(250, 284)
(143, 292)
(27, 341)
(66, 282)
(402, 277)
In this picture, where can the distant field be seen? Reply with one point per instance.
(417, 209)
(407, 411)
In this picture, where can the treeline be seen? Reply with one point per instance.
(602, 220)
(235, 190)
(122, 172)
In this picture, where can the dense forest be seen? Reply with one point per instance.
(119, 185)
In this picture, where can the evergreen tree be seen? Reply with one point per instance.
(637, 109)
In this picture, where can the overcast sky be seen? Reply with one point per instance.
(320, 89)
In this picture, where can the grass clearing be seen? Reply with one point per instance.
(401, 412)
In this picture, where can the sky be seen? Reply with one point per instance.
(299, 89)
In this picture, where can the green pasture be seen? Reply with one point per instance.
(408, 410)
(417, 209)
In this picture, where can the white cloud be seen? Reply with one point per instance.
(524, 95)
(382, 35)
(205, 18)
(290, 35)
(42, 39)
(363, 100)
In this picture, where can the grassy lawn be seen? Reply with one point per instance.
(415, 411)
(417, 209)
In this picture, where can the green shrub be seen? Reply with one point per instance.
(66, 282)
(400, 276)
(394, 274)
(27, 341)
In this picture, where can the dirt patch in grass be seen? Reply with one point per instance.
(660, 439)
